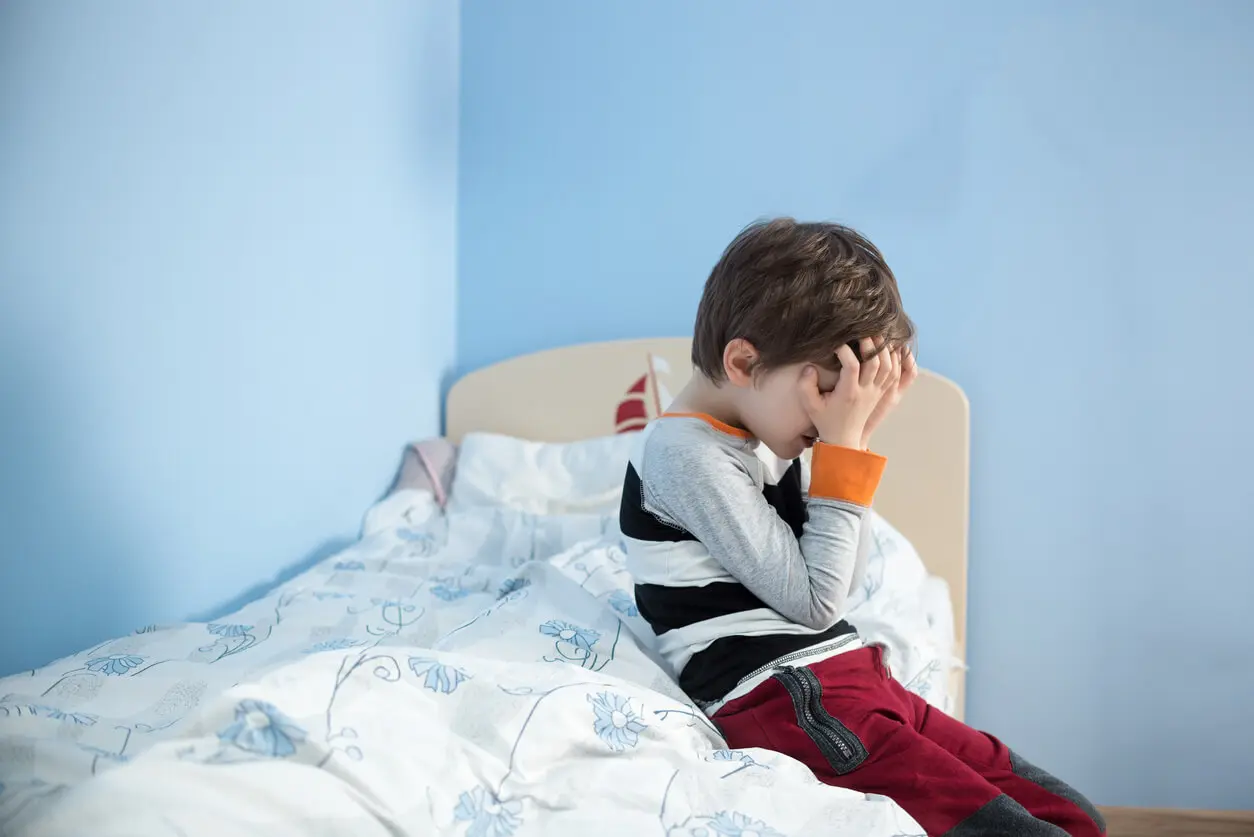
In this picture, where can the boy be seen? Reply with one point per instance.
(744, 578)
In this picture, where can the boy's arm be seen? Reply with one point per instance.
(806, 580)
(865, 538)
(863, 554)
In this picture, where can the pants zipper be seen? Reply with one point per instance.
(839, 745)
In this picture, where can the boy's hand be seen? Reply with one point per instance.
(841, 416)
(903, 375)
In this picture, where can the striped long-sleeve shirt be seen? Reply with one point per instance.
(734, 564)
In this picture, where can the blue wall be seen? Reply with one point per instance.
(1068, 197)
(226, 294)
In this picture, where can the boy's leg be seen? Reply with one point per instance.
(872, 749)
(1043, 795)
(945, 796)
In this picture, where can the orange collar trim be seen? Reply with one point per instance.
(721, 426)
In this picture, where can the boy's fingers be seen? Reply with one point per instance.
(909, 369)
(894, 368)
(813, 399)
(870, 365)
(891, 368)
(848, 363)
(907, 362)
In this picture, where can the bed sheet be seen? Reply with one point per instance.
(480, 672)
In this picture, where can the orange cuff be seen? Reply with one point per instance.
(838, 473)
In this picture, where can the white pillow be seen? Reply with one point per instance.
(583, 477)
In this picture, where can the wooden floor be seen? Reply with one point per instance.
(1144, 822)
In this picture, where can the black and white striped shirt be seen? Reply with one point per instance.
(735, 564)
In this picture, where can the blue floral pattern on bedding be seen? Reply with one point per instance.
(486, 815)
(262, 729)
(624, 603)
(565, 632)
(228, 629)
(736, 824)
(617, 724)
(114, 664)
(436, 676)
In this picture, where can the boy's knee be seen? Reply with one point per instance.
(1004, 816)
(1029, 772)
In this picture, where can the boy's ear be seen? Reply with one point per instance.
(740, 358)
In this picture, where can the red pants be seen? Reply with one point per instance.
(856, 727)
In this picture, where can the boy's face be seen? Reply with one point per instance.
(772, 409)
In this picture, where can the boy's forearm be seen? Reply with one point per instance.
(862, 555)
(842, 486)
(831, 547)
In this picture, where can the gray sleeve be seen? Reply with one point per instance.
(865, 539)
(712, 495)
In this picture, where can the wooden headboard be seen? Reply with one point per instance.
(596, 389)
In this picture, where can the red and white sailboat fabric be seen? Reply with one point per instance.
(646, 398)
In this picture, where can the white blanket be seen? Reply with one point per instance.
(481, 673)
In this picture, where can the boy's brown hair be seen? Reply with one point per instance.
(797, 291)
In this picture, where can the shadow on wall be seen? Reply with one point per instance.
(331, 546)
(57, 518)
(447, 379)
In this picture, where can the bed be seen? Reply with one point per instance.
(478, 667)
